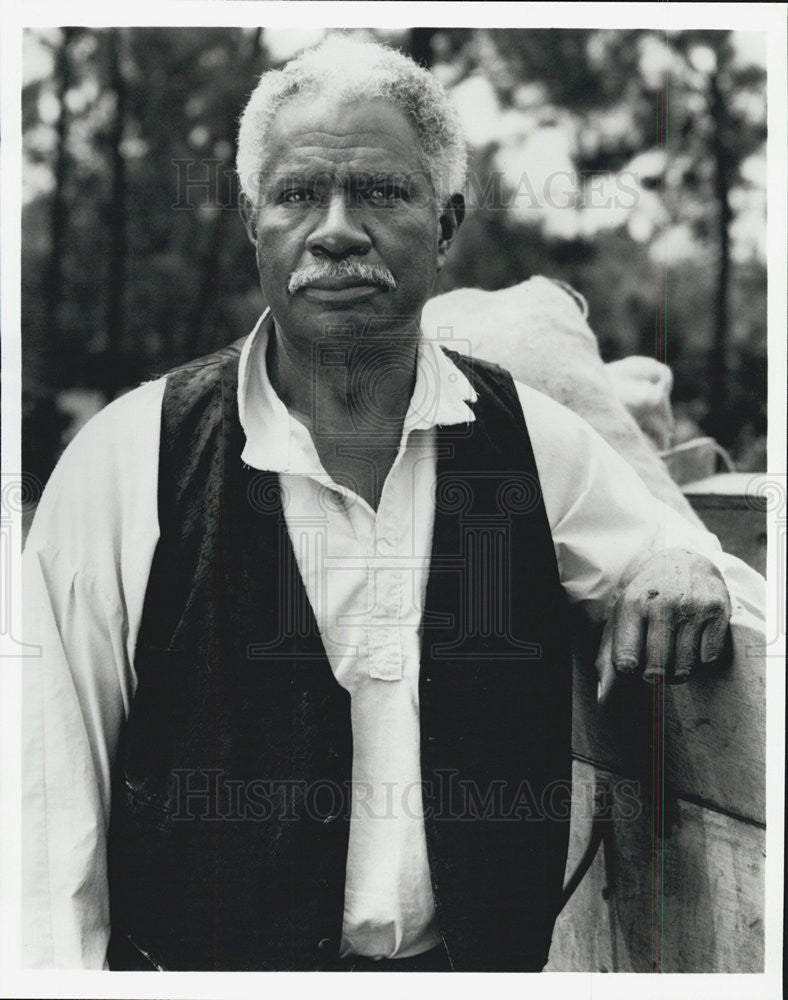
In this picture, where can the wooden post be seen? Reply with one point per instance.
(678, 886)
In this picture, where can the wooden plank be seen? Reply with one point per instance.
(705, 739)
(688, 901)
(677, 885)
(733, 509)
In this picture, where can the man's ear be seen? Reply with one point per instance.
(249, 216)
(449, 222)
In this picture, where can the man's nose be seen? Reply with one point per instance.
(339, 231)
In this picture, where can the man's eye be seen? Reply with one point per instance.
(384, 192)
(294, 197)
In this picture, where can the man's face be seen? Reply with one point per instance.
(344, 185)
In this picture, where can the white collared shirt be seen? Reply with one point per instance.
(86, 567)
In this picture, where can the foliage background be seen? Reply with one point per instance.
(630, 163)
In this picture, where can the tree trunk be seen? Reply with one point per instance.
(718, 373)
(421, 45)
(210, 288)
(116, 216)
(53, 285)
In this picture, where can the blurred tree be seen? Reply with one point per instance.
(114, 41)
(42, 422)
(717, 137)
(58, 214)
(683, 115)
(250, 59)
(420, 47)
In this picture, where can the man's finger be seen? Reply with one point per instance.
(605, 670)
(712, 642)
(629, 630)
(687, 650)
(660, 647)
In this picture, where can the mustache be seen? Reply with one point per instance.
(373, 274)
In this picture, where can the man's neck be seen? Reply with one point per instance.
(352, 394)
(347, 385)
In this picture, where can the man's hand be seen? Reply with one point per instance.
(673, 614)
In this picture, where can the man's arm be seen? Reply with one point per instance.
(73, 709)
(664, 587)
(85, 570)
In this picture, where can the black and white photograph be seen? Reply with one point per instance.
(393, 498)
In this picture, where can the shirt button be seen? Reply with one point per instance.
(384, 546)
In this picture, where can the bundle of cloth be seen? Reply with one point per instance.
(538, 331)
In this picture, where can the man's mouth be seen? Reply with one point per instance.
(344, 290)
(341, 281)
(340, 284)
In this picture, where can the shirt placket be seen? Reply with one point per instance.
(384, 628)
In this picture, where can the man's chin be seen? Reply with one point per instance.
(310, 308)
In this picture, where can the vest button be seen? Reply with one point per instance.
(324, 944)
(330, 818)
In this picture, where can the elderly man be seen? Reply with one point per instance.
(303, 604)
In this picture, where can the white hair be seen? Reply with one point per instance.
(348, 69)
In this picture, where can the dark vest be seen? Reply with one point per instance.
(230, 816)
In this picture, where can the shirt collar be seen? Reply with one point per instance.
(277, 442)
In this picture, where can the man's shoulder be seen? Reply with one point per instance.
(105, 479)
(118, 423)
(199, 394)
(535, 403)
(228, 355)
(477, 369)
(189, 386)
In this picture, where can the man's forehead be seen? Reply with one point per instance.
(317, 168)
(341, 131)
